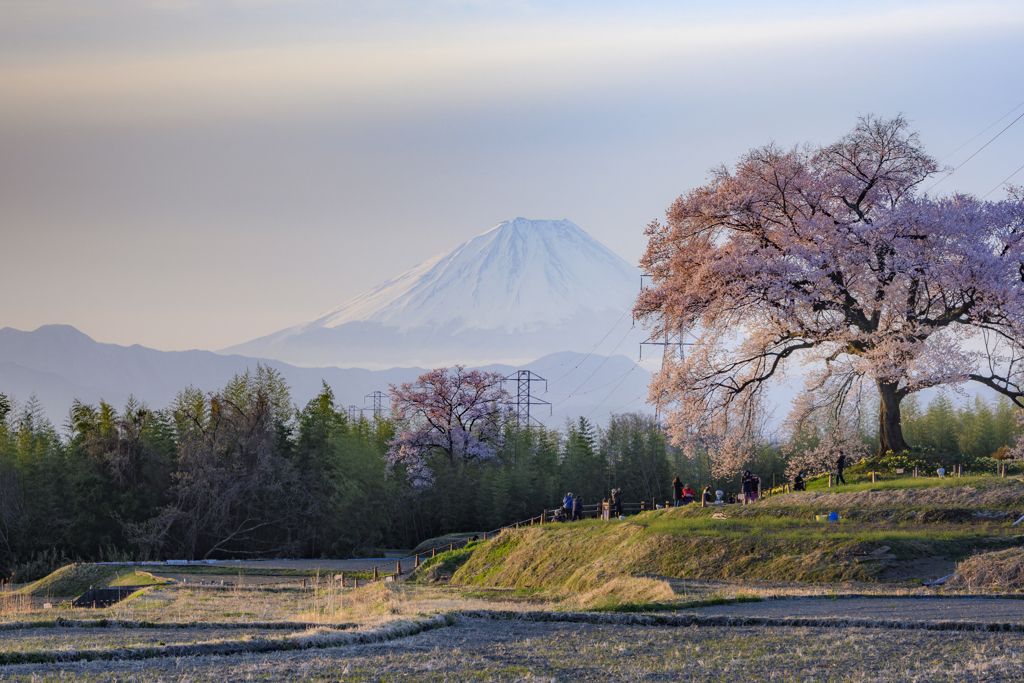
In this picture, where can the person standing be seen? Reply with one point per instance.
(677, 492)
(840, 464)
(577, 508)
(747, 484)
(705, 497)
(617, 502)
(567, 506)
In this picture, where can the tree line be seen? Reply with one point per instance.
(242, 472)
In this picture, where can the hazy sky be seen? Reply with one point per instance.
(195, 174)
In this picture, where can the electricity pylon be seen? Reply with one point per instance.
(524, 399)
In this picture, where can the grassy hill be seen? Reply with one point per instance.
(75, 579)
(928, 525)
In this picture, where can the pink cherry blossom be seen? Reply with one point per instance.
(827, 256)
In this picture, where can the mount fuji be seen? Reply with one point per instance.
(521, 290)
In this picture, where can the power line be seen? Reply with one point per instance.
(975, 154)
(611, 412)
(601, 365)
(589, 353)
(1004, 182)
(590, 391)
(981, 133)
(612, 392)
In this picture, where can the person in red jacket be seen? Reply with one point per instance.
(687, 495)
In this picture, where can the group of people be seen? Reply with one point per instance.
(572, 508)
(751, 484)
(682, 494)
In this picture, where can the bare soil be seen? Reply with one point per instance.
(484, 649)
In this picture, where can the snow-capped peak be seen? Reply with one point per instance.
(519, 275)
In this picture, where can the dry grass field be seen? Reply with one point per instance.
(519, 608)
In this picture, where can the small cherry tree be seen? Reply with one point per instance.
(451, 411)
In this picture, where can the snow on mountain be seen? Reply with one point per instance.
(523, 289)
(518, 275)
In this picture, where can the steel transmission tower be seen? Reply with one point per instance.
(672, 345)
(378, 402)
(524, 399)
(671, 342)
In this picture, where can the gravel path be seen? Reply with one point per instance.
(904, 609)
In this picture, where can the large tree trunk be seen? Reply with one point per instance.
(890, 431)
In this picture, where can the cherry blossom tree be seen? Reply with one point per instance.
(451, 411)
(829, 256)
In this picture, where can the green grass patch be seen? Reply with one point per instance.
(862, 482)
(443, 542)
(75, 579)
(444, 565)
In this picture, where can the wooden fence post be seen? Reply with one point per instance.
(398, 568)
(355, 582)
(433, 552)
(874, 479)
(830, 480)
(417, 565)
(451, 546)
(375, 572)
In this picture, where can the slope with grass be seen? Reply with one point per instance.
(926, 529)
(75, 579)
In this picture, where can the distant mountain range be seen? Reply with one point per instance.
(59, 364)
(527, 294)
(521, 290)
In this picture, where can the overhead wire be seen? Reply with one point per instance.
(590, 391)
(594, 348)
(613, 391)
(982, 132)
(975, 154)
(1004, 182)
(600, 365)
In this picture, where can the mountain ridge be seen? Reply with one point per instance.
(517, 291)
(59, 364)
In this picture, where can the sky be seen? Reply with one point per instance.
(184, 174)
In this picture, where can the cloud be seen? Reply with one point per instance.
(348, 73)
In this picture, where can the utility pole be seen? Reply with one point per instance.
(524, 399)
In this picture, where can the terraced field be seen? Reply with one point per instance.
(765, 591)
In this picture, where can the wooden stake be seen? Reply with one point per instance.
(375, 573)
(398, 568)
